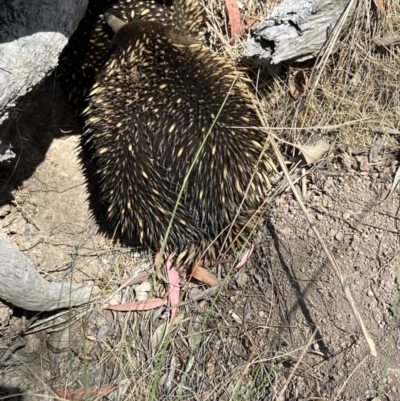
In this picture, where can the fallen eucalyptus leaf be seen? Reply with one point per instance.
(314, 153)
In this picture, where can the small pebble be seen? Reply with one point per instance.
(347, 214)
(339, 236)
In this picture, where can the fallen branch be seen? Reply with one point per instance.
(22, 285)
(296, 30)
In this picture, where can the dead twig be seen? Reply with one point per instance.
(321, 209)
(280, 396)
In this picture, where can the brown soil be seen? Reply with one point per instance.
(254, 336)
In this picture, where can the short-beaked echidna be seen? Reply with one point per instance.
(151, 107)
(87, 50)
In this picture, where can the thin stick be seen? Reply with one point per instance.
(332, 42)
(283, 389)
(309, 128)
(348, 378)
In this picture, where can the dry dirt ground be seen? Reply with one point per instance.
(254, 336)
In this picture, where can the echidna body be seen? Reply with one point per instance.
(159, 94)
(87, 50)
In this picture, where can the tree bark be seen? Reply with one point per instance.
(32, 36)
(22, 286)
(296, 30)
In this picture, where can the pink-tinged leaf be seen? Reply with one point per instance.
(245, 257)
(134, 280)
(174, 288)
(203, 275)
(380, 6)
(233, 12)
(83, 393)
(148, 304)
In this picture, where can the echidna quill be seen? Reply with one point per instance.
(152, 106)
(87, 50)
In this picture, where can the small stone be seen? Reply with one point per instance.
(210, 368)
(347, 160)
(347, 214)
(339, 236)
(242, 278)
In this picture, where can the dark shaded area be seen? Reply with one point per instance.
(11, 394)
(267, 44)
(40, 117)
(297, 289)
(17, 19)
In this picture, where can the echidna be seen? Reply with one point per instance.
(87, 50)
(152, 105)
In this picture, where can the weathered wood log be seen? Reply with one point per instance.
(22, 286)
(296, 30)
(32, 36)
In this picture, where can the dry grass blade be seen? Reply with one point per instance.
(348, 378)
(332, 261)
(283, 389)
(333, 40)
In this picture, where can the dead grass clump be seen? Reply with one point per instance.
(351, 92)
(212, 350)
